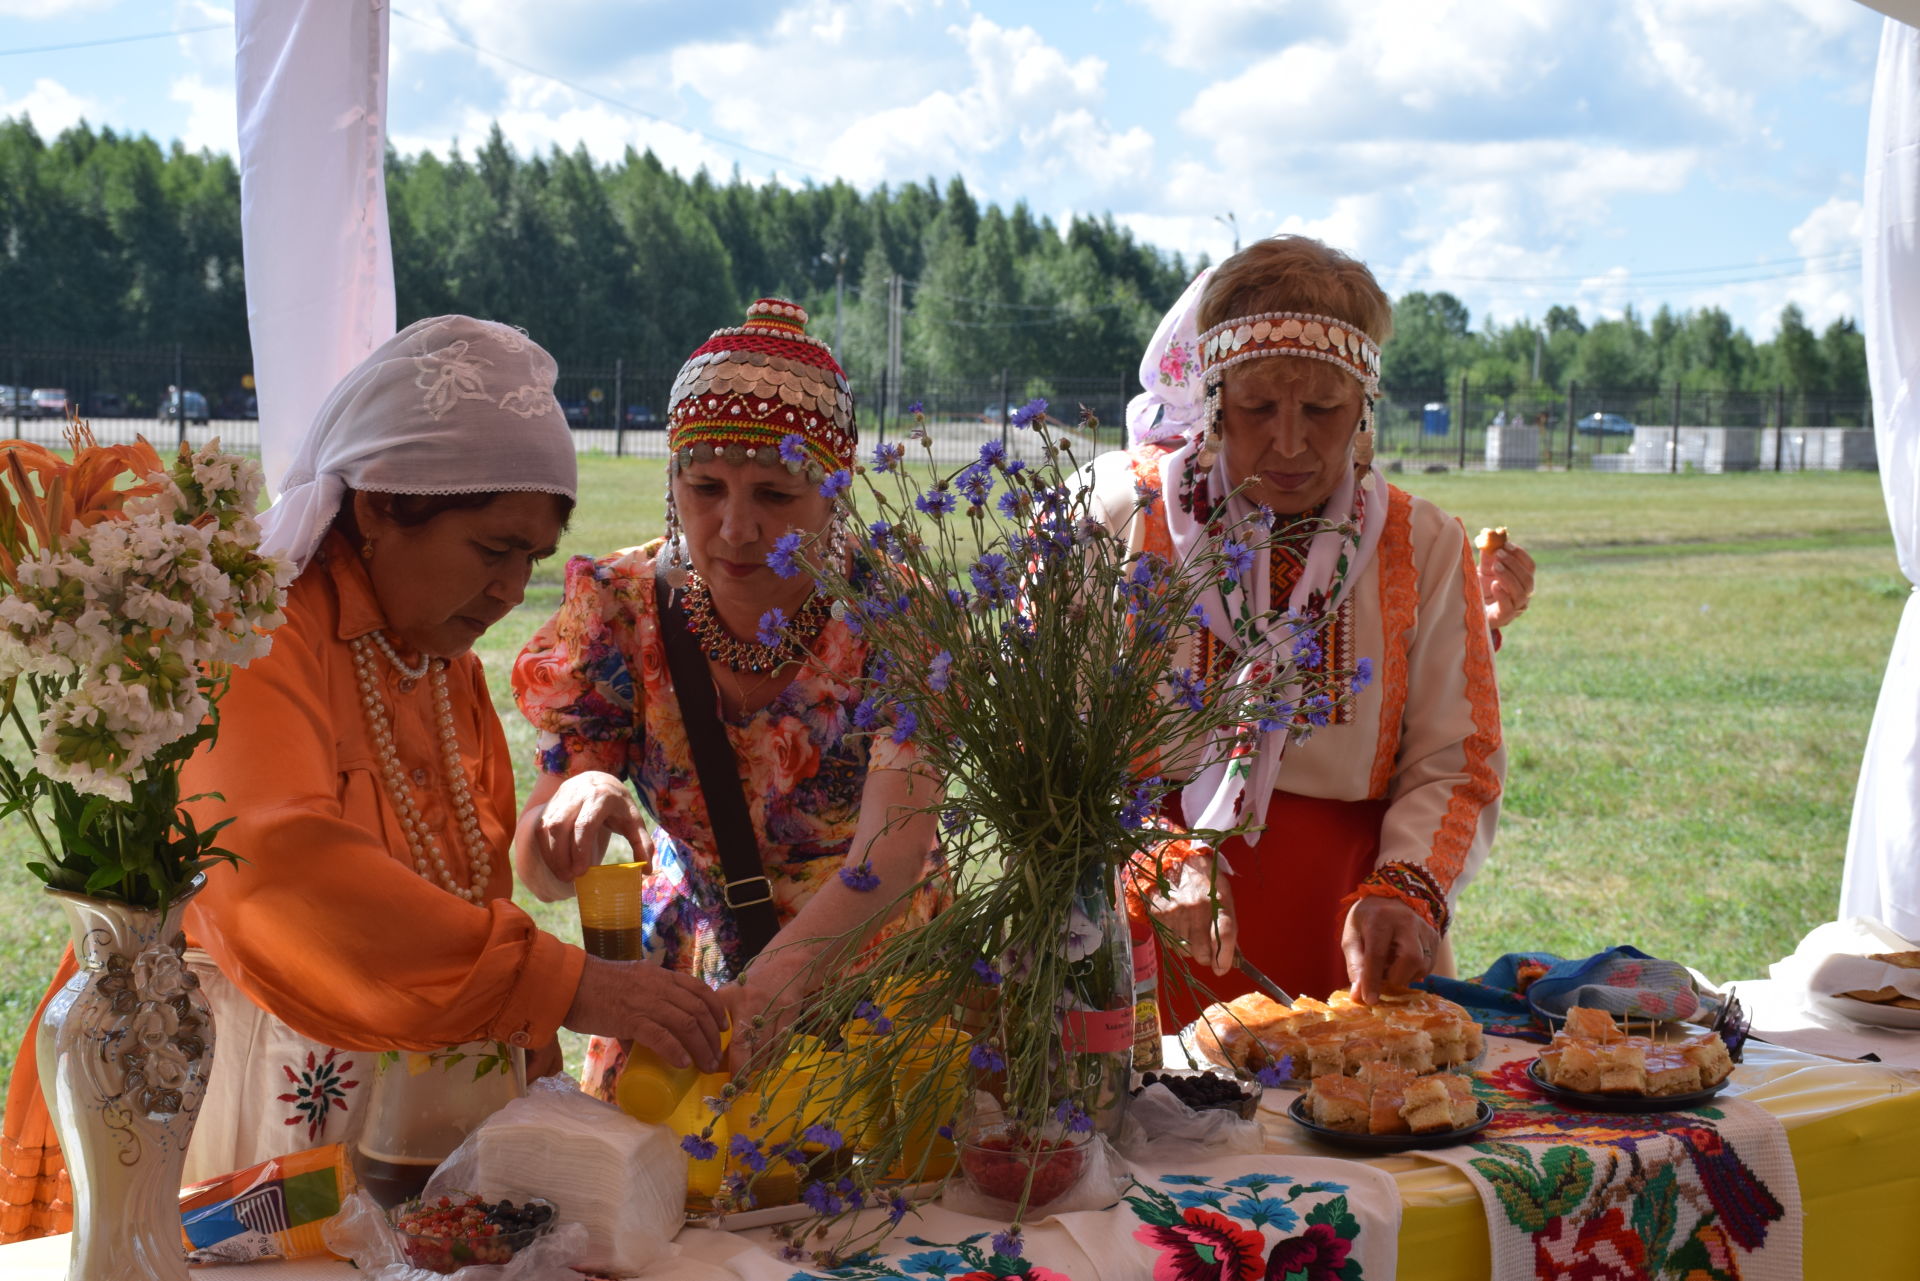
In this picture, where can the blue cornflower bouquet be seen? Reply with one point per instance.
(1028, 654)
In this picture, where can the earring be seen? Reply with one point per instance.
(1363, 444)
(679, 570)
(366, 550)
(1210, 443)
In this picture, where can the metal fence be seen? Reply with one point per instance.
(619, 407)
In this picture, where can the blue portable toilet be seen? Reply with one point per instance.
(1435, 418)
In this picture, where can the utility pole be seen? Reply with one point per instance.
(838, 257)
(890, 407)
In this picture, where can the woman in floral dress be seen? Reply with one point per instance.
(761, 431)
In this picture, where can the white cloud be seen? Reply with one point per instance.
(51, 106)
(37, 9)
(211, 118)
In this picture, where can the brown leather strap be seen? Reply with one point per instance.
(745, 888)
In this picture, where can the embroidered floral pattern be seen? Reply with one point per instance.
(1207, 1231)
(1619, 1197)
(449, 376)
(319, 1090)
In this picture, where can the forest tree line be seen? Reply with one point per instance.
(111, 241)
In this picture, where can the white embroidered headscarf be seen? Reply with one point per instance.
(449, 405)
(1233, 788)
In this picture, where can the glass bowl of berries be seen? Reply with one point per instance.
(451, 1230)
(1008, 1162)
(1207, 1091)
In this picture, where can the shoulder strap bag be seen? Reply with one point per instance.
(748, 893)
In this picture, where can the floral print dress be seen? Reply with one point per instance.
(594, 683)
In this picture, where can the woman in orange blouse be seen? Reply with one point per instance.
(369, 781)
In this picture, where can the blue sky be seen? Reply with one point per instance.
(1518, 153)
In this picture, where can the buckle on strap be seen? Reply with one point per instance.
(749, 885)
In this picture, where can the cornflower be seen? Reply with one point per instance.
(782, 560)
(793, 448)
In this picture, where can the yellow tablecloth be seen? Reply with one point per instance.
(1854, 1129)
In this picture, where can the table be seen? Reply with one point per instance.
(1854, 1129)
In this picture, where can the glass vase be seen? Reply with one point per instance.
(1097, 1027)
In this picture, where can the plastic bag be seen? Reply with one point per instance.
(360, 1232)
(624, 1182)
(273, 1210)
(1159, 1128)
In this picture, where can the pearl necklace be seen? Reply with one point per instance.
(428, 859)
(411, 673)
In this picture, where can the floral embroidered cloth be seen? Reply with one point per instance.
(1705, 1194)
(1251, 1218)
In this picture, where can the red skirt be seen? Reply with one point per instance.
(1287, 888)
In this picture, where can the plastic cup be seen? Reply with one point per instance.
(930, 1077)
(610, 901)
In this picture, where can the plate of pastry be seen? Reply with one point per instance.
(1596, 1065)
(1884, 1006)
(1385, 1108)
(1417, 1031)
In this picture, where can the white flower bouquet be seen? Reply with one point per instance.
(127, 590)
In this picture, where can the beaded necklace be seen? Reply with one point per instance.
(428, 859)
(723, 647)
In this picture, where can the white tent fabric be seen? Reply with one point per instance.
(1882, 878)
(311, 80)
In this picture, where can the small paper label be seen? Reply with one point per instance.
(1097, 1031)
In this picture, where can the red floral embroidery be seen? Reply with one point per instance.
(1320, 1252)
(318, 1091)
(1604, 1249)
(1204, 1247)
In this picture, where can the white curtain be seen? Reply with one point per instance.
(1883, 851)
(311, 80)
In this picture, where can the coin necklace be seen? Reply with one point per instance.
(428, 858)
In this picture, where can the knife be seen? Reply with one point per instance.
(1260, 980)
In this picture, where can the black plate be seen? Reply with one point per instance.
(1387, 1142)
(1622, 1102)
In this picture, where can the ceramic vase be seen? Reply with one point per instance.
(124, 1052)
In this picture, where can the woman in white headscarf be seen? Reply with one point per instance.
(368, 780)
(1260, 390)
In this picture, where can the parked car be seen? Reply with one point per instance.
(239, 404)
(12, 398)
(106, 404)
(49, 402)
(575, 411)
(195, 410)
(642, 418)
(1605, 425)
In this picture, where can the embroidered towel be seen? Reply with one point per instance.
(1707, 1193)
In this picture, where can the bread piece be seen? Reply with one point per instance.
(1410, 1047)
(1491, 540)
(1592, 1025)
(1447, 1035)
(1384, 1105)
(1670, 1072)
(1428, 1107)
(1475, 1041)
(1905, 960)
(1709, 1054)
(1338, 1103)
(1460, 1099)
(1623, 1069)
(1578, 1068)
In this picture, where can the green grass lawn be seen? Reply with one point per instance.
(1685, 707)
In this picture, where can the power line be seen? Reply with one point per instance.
(1747, 272)
(611, 101)
(95, 44)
